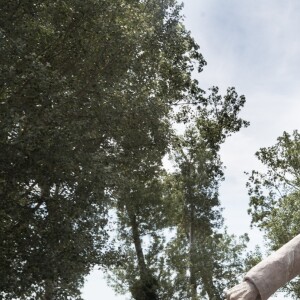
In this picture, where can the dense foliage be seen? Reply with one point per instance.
(87, 97)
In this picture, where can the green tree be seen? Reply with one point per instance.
(274, 194)
(84, 88)
(160, 77)
(52, 131)
(218, 262)
(197, 217)
(149, 202)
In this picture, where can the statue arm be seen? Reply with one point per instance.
(277, 269)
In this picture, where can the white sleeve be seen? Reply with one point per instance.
(277, 269)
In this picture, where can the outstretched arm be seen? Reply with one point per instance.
(270, 274)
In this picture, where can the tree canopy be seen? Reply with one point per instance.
(89, 92)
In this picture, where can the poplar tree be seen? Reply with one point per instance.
(186, 202)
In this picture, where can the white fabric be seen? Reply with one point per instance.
(271, 273)
(244, 291)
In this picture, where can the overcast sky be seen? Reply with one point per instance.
(255, 47)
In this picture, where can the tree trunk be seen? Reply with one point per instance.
(45, 196)
(192, 279)
(49, 295)
(210, 289)
(145, 288)
(191, 236)
(138, 245)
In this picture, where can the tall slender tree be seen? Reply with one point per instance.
(198, 216)
(187, 201)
